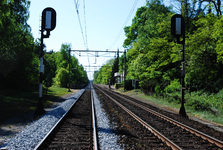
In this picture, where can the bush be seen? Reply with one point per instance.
(158, 89)
(118, 85)
(173, 87)
(62, 78)
(173, 91)
(203, 101)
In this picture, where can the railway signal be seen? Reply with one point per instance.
(48, 24)
(178, 30)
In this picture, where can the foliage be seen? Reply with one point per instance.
(158, 89)
(173, 87)
(18, 52)
(57, 64)
(153, 55)
(104, 74)
(118, 85)
(62, 78)
(203, 101)
(204, 70)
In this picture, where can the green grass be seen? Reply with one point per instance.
(16, 102)
(213, 102)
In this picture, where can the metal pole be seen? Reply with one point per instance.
(40, 110)
(182, 108)
(69, 73)
(124, 68)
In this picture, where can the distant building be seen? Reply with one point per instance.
(119, 77)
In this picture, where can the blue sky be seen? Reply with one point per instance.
(104, 20)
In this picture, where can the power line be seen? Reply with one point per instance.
(84, 37)
(86, 30)
(126, 21)
(85, 24)
(76, 6)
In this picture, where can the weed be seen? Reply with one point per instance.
(9, 136)
(140, 145)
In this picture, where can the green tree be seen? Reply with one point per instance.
(204, 70)
(18, 53)
(60, 60)
(62, 78)
(50, 66)
(104, 73)
(148, 58)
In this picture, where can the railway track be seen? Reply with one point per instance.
(175, 134)
(76, 129)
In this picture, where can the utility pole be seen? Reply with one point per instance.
(69, 72)
(183, 88)
(124, 68)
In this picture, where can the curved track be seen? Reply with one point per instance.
(75, 130)
(174, 133)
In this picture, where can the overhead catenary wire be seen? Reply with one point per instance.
(126, 21)
(85, 22)
(76, 6)
(86, 29)
(84, 36)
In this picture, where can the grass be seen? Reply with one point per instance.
(16, 102)
(213, 101)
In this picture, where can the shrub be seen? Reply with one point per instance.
(62, 78)
(173, 87)
(118, 85)
(158, 89)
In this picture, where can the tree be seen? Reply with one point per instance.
(62, 78)
(18, 54)
(131, 32)
(104, 73)
(60, 60)
(149, 55)
(204, 70)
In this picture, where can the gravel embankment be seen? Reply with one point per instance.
(34, 132)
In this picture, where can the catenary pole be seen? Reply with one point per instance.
(124, 68)
(69, 73)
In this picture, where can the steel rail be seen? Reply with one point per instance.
(41, 143)
(192, 130)
(158, 134)
(94, 121)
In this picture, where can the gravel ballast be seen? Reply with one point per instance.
(34, 132)
(106, 137)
